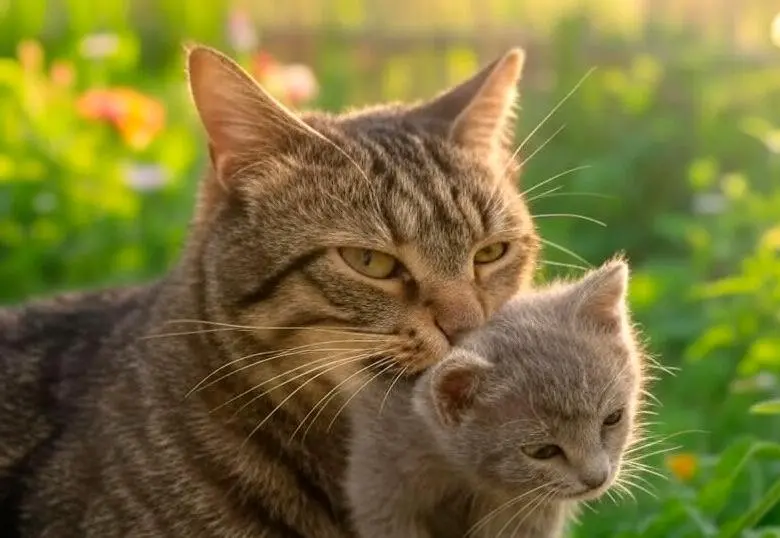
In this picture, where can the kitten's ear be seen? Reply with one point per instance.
(455, 383)
(602, 295)
(241, 119)
(480, 111)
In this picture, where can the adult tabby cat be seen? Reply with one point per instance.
(323, 249)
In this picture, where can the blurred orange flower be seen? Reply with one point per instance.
(63, 74)
(137, 117)
(683, 465)
(30, 54)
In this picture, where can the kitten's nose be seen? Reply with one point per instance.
(595, 478)
(455, 310)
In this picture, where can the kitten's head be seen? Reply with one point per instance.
(545, 397)
(399, 222)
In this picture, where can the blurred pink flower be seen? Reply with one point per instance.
(301, 83)
(137, 117)
(145, 177)
(293, 84)
(242, 34)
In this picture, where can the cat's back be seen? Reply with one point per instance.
(52, 352)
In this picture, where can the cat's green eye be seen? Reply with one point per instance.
(371, 263)
(542, 452)
(491, 253)
(613, 418)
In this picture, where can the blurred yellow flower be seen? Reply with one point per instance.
(137, 117)
(683, 465)
(774, 32)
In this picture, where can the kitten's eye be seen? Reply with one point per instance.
(613, 418)
(491, 253)
(370, 263)
(542, 452)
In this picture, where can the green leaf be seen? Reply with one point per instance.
(754, 515)
(769, 407)
(716, 493)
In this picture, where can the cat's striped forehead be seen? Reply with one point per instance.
(411, 187)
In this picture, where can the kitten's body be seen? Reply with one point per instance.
(268, 311)
(436, 457)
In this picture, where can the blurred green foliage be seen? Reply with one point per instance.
(679, 155)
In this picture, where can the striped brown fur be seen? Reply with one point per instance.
(100, 432)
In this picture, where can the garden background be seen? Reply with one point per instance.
(672, 142)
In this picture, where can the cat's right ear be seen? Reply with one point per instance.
(242, 121)
(479, 114)
(455, 384)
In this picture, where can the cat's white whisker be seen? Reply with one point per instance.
(360, 389)
(547, 117)
(395, 380)
(562, 264)
(552, 193)
(275, 354)
(565, 250)
(323, 402)
(553, 178)
(287, 399)
(570, 216)
(544, 194)
(549, 139)
(325, 362)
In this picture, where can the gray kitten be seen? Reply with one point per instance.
(526, 417)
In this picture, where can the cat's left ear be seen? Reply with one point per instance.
(479, 114)
(601, 296)
(455, 383)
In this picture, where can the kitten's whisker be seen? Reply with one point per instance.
(368, 382)
(324, 362)
(528, 509)
(644, 468)
(623, 490)
(490, 515)
(611, 495)
(570, 215)
(635, 474)
(565, 250)
(663, 439)
(547, 117)
(553, 178)
(651, 396)
(323, 402)
(628, 481)
(642, 457)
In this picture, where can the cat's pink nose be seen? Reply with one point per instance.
(455, 311)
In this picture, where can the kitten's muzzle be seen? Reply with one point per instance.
(596, 479)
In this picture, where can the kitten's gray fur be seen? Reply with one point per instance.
(444, 452)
